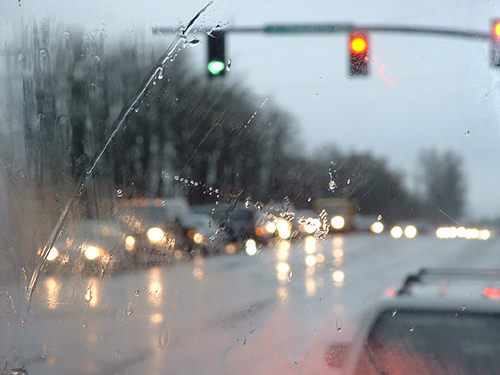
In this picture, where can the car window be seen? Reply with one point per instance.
(432, 342)
(226, 187)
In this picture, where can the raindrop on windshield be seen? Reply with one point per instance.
(19, 371)
(319, 234)
(379, 217)
(160, 74)
(467, 133)
(247, 203)
(412, 329)
(193, 42)
(119, 193)
(259, 206)
(137, 292)
(394, 313)
(332, 185)
(339, 324)
(164, 337)
(88, 294)
(130, 308)
(228, 66)
(463, 308)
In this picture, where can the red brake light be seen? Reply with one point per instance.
(492, 293)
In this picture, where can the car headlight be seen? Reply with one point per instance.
(377, 227)
(198, 238)
(155, 235)
(284, 229)
(396, 232)
(129, 243)
(338, 222)
(53, 254)
(92, 252)
(410, 231)
(271, 227)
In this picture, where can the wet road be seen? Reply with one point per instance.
(274, 312)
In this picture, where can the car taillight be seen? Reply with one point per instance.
(492, 293)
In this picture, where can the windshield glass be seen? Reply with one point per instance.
(227, 187)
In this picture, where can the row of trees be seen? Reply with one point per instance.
(210, 133)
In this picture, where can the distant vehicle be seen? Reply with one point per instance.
(166, 229)
(91, 246)
(155, 233)
(341, 213)
(441, 321)
(241, 224)
(368, 223)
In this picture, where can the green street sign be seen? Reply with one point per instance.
(296, 29)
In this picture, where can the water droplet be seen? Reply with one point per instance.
(176, 178)
(289, 276)
(394, 313)
(119, 193)
(486, 95)
(379, 217)
(228, 65)
(463, 308)
(339, 324)
(85, 323)
(259, 206)
(248, 203)
(348, 181)
(412, 329)
(467, 133)
(193, 42)
(309, 199)
(19, 371)
(317, 95)
(130, 308)
(137, 292)
(160, 74)
(136, 110)
(164, 337)
(88, 294)
(319, 234)
(332, 185)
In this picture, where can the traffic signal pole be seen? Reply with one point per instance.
(344, 28)
(359, 58)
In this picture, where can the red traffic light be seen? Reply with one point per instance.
(359, 44)
(496, 30)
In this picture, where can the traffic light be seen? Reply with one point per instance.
(358, 50)
(216, 65)
(495, 44)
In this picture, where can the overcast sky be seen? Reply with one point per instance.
(422, 91)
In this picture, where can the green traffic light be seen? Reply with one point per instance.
(216, 67)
